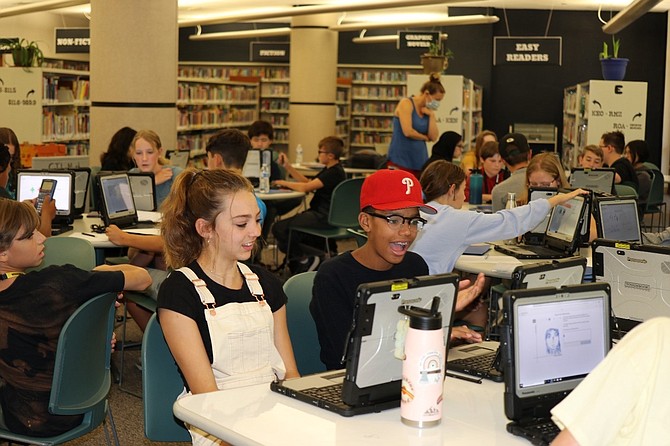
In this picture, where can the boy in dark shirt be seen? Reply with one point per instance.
(330, 150)
(390, 205)
(613, 144)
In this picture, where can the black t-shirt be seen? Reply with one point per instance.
(626, 172)
(178, 294)
(330, 177)
(32, 314)
(334, 294)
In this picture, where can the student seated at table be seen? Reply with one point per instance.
(638, 154)
(390, 204)
(117, 157)
(34, 306)
(613, 145)
(492, 171)
(472, 158)
(624, 400)
(323, 184)
(516, 154)
(225, 322)
(447, 147)
(591, 157)
(544, 170)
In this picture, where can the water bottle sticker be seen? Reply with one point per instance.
(400, 334)
(407, 391)
(430, 368)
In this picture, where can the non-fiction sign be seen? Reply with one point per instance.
(408, 40)
(270, 51)
(73, 40)
(527, 50)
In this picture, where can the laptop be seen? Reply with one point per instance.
(180, 158)
(483, 359)
(600, 181)
(82, 177)
(562, 236)
(252, 165)
(117, 203)
(28, 185)
(552, 339)
(536, 235)
(372, 379)
(143, 187)
(640, 280)
(618, 219)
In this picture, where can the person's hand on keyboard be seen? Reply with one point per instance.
(465, 334)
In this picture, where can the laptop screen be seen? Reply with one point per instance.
(144, 190)
(252, 166)
(558, 340)
(117, 195)
(597, 180)
(565, 219)
(619, 220)
(536, 194)
(29, 182)
(81, 178)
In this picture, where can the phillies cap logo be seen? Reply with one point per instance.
(407, 181)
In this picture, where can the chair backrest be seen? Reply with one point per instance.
(301, 326)
(651, 166)
(623, 190)
(82, 375)
(345, 203)
(656, 192)
(72, 250)
(161, 384)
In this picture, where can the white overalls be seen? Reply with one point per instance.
(242, 336)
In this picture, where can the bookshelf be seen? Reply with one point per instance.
(343, 113)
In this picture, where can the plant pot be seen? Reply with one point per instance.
(434, 64)
(614, 69)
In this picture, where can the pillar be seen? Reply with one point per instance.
(313, 82)
(134, 53)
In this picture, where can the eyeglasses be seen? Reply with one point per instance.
(552, 183)
(322, 151)
(397, 221)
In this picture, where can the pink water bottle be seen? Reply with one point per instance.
(423, 367)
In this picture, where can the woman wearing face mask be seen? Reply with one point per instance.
(414, 123)
(448, 147)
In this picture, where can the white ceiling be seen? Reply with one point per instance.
(201, 9)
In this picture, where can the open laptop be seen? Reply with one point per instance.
(483, 359)
(552, 339)
(618, 219)
(536, 235)
(372, 379)
(82, 177)
(180, 158)
(28, 185)
(600, 181)
(117, 203)
(640, 280)
(562, 236)
(143, 187)
(252, 165)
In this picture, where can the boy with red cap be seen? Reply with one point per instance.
(390, 204)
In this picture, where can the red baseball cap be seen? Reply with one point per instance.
(388, 190)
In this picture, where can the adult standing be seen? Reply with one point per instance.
(414, 123)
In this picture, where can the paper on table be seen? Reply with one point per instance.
(149, 216)
(143, 231)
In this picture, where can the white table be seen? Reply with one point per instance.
(472, 414)
(279, 194)
(311, 169)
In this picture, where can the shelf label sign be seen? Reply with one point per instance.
(528, 50)
(408, 40)
(73, 40)
(270, 52)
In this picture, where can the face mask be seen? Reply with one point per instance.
(433, 104)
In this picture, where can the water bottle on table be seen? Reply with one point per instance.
(511, 204)
(476, 185)
(298, 154)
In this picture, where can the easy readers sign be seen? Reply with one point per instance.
(73, 40)
(527, 50)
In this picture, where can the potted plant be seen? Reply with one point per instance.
(613, 67)
(25, 53)
(436, 60)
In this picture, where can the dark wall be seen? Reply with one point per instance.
(512, 93)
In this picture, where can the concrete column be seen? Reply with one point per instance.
(313, 82)
(134, 52)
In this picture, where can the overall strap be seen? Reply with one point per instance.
(253, 283)
(206, 296)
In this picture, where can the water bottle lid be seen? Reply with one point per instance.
(423, 318)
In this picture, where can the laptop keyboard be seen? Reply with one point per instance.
(481, 366)
(330, 395)
(541, 432)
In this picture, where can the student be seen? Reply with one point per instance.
(637, 153)
(225, 323)
(148, 154)
(448, 147)
(117, 157)
(492, 171)
(612, 144)
(624, 400)
(591, 157)
(390, 204)
(449, 232)
(414, 123)
(516, 154)
(34, 306)
(9, 138)
(544, 170)
(330, 151)
(471, 159)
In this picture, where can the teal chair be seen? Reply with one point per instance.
(161, 384)
(625, 191)
(656, 202)
(68, 250)
(301, 326)
(343, 215)
(82, 377)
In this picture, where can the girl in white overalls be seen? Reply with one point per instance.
(210, 224)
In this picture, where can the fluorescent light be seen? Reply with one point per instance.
(449, 21)
(41, 6)
(252, 33)
(631, 13)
